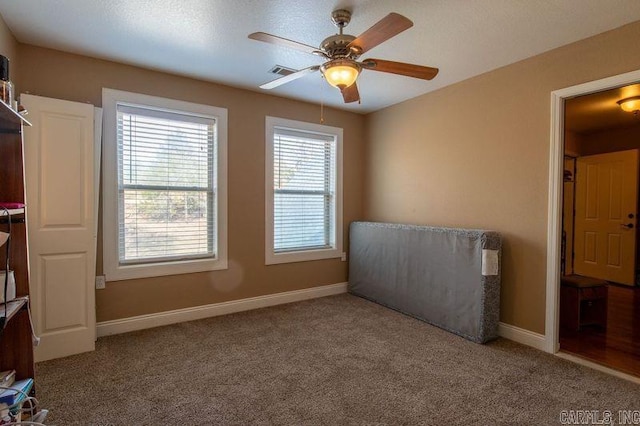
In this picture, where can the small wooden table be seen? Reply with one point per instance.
(583, 301)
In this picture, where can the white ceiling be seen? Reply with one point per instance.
(207, 39)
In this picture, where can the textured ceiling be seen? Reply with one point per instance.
(207, 39)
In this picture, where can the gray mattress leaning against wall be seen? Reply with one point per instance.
(447, 277)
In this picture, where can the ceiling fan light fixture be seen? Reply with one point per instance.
(631, 104)
(341, 73)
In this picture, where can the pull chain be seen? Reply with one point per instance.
(322, 93)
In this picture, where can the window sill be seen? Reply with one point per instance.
(150, 270)
(302, 256)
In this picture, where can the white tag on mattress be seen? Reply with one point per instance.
(489, 262)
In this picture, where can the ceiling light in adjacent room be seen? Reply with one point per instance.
(630, 104)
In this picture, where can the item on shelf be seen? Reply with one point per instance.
(7, 378)
(6, 86)
(9, 309)
(12, 398)
(39, 417)
(9, 418)
(7, 276)
(11, 207)
(8, 281)
(17, 392)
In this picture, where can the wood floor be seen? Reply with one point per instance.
(618, 346)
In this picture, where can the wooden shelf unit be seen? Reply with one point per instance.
(13, 307)
(16, 346)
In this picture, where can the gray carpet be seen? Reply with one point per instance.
(335, 360)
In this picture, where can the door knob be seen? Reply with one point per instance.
(627, 225)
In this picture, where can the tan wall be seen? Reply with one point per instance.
(8, 48)
(571, 143)
(77, 78)
(476, 154)
(610, 140)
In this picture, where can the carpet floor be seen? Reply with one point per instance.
(334, 360)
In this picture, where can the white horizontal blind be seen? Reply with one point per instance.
(166, 185)
(304, 190)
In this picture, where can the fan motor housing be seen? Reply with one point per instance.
(336, 46)
(341, 18)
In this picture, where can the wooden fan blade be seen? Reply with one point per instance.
(279, 41)
(389, 26)
(410, 70)
(351, 94)
(287, 78)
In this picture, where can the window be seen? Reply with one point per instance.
(304, 191)
(164, 186)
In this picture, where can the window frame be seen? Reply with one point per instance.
(113, 269)
(272, 257)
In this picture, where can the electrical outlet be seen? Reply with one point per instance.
(344, 256)
(100, 282)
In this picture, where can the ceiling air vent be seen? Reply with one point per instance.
(280, 70)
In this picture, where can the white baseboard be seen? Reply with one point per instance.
(520, 335)
(124, 325)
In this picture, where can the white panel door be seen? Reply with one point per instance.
(59, 174)
(605, 222)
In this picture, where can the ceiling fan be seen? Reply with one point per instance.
(343, 50)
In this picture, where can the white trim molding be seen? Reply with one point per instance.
(125, 325)
(554, 218)
(334, 134)
(116, 270)
(520, 335)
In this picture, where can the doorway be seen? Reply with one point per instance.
(599, 297)
(593, 301)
